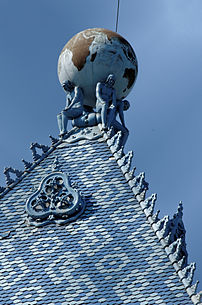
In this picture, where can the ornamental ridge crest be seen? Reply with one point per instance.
(55, 201)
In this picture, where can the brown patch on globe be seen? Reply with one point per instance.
(130, 75)
(79, 46)
(79, 53)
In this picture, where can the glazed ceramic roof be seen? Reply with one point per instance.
(109, 255)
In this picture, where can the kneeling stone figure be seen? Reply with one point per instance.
(74, 106)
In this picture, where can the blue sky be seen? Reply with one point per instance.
(165, 115)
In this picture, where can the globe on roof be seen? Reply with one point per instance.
(91, 55)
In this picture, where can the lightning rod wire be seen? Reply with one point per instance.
(117, 15)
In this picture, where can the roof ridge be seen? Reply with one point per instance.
(170, 232)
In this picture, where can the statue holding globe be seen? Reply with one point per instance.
(74, 106)
(99, 68)
(106, 96)
(118, 109)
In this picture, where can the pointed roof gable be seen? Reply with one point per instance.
(116, 252)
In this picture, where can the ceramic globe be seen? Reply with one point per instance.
(91, 55)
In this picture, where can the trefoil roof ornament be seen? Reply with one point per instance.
(55, 201)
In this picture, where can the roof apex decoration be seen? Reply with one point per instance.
(97, 69)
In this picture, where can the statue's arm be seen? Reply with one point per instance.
(78, 96)
(114, 98)
(99, 92)
(121, 114)
(68, 99)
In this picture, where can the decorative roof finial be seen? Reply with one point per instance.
(27, 164)
(8, 171)
(111, 66)
(33, 148)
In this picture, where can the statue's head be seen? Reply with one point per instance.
(111, 80)
(68, 86)
(126, 105)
